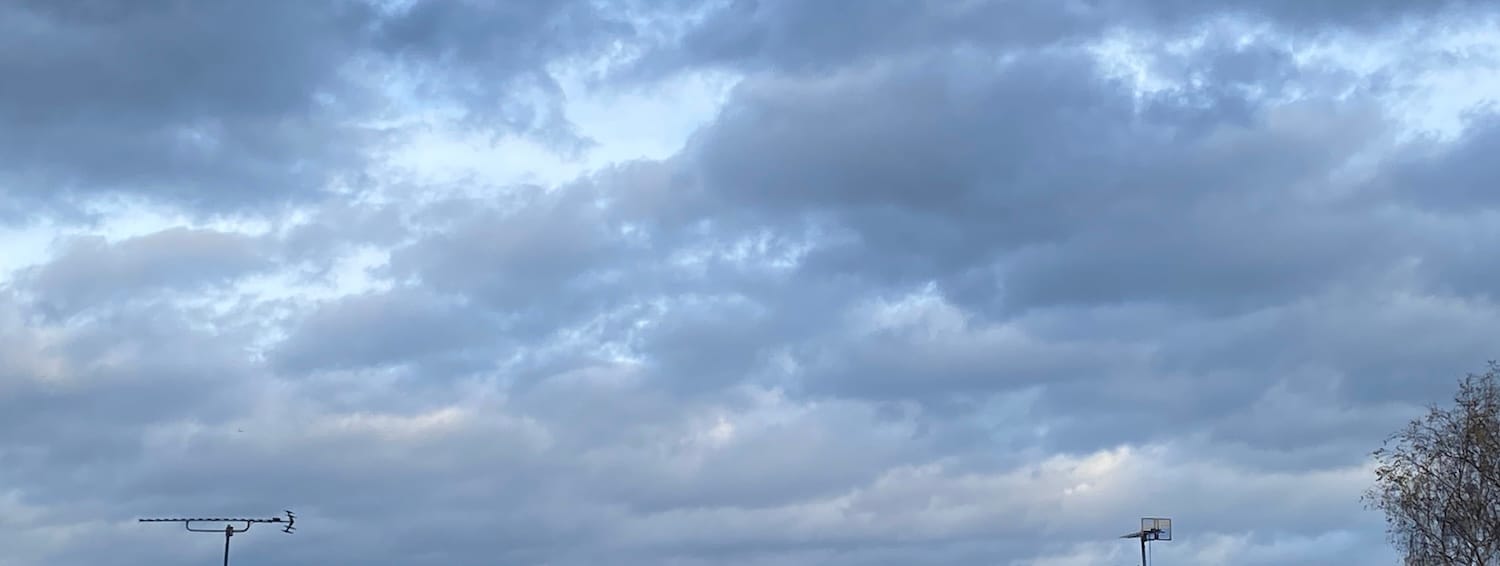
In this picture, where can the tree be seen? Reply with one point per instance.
(1438, 479)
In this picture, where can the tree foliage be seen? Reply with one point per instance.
(1438, 479)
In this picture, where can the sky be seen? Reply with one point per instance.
(738, 282)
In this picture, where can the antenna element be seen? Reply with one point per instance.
(229, 529)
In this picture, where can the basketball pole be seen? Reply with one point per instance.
(1155, 532)
(1143, 549)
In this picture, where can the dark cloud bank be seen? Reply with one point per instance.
(941, 283)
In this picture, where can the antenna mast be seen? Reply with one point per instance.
(229, 529)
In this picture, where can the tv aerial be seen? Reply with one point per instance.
(1152, 528)
(288, 525)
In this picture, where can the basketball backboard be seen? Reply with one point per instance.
(1156, 528)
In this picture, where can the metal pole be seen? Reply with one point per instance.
(228, 532)
(1143, 549)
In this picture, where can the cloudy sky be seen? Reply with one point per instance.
(743, 282)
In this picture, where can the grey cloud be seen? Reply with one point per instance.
(910, 133)
(90, 271)
(703, 344)
(734, 327)
(391, 328)
(1059, 197)
(547, 250)
(752, 465)
(1324, 433)
(305, 463)
(338, 227)
(209, 104)
(1466, 269)
(491, 458)
(1452, 175)
(1358, 366)
(952, 171)
(543, 258)
(475, 53)
(796, 37)
(87, 393)
(1223, 256)
(938, 355)
(229, 106)
(1439, 337)
(1443, 186)
(919, 305)
(932, 164)
(1310, 17)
